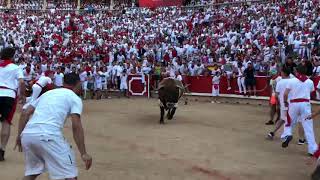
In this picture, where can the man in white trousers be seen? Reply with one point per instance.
(297, 99)
(41, 136)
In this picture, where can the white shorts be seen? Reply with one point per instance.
(48, 153)
(104, 86)
(97, 86)
(123, 86)
(215, 90)
(283, 115)
(85, 85)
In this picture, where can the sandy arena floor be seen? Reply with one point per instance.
(204, 141)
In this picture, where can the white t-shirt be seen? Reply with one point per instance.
(58, 79)
(179, 78)
(215, 79)
(83, 76)
(51, 111)
(299, 89)
(280, 89)
(9, 77)
(28, 76)
(44, 80)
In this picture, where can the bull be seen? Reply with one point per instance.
(169, 91)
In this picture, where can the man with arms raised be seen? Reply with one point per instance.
(41, 137)
(11, 79)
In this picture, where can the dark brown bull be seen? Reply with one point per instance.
(170, 91)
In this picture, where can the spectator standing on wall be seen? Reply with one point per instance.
(250, 80)
(215, 87)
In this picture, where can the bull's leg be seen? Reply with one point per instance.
(168, 114)
(316, 174)
(172, 112)
(161, 115)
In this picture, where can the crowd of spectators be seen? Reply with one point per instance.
(168, 41)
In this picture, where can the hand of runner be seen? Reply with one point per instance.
(18, 145)
(22, 99)
(87, 159)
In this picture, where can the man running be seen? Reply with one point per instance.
(11, 79)
(41, 137)
(297, 99)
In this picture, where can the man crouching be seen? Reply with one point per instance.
(41, 137)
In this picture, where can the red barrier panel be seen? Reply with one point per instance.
(203, 84)
(138, 87)
(159, 3)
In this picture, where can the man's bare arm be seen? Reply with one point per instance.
(285, 97)
(24, 118)
(22, 87)
(78, 136)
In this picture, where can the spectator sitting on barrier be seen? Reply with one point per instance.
(250, 81)
(227, 69)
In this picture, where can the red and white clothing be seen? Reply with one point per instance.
(215, 85)
(84, 80)
(300, 110)
(280, 89)
(9, 76)
(42, 82)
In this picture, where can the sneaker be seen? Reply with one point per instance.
(301, 141)
(287, 141)
(270, 123)
(229, 88)
(270, 136)
(213, 102)
(1, 155)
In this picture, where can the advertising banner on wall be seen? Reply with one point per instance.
(159, 3)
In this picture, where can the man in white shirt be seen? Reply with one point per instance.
(40, 133)
(11, 79)
(37, 88)
(279, 90)
(297, 99)
(84, 82)
(58, 78)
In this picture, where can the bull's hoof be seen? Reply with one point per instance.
(170, 118)
(162, 122)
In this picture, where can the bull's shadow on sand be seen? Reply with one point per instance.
(153, 119)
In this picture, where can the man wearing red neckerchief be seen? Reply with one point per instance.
(11, 78)
(297, 99)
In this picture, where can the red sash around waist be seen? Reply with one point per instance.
(299, 100)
